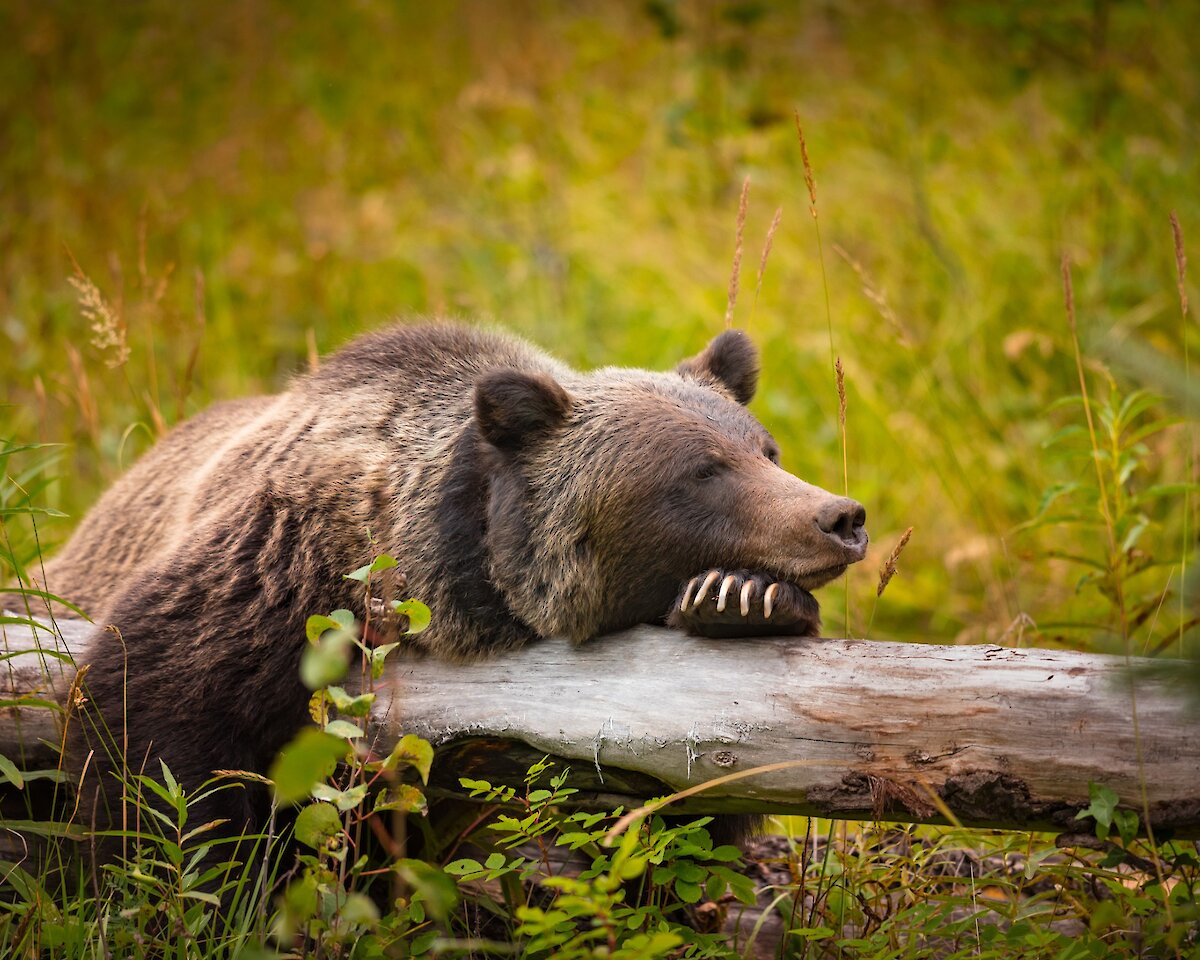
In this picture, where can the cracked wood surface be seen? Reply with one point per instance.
(998, 736)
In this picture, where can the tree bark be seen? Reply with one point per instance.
(991, 736)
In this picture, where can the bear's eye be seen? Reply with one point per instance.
(772, 454)
(706, 470)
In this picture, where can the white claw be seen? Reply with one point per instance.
(769, 600)
(687, 595)
(726, 586)
(713, 577)
(747, 593)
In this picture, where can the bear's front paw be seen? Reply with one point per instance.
(739, 603)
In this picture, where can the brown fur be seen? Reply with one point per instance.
(521, 498)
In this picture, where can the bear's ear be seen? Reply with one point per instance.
(513, 407)
(732, 360)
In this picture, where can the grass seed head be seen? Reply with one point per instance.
(1180, 263)
(841, 389)
(766, 252)
(1068, 292)
(108, 329)
(888, 570)
(737, 253)
(809, 180)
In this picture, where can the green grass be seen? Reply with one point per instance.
(247, 182)
(241, 180)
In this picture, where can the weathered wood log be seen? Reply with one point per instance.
(993, 736)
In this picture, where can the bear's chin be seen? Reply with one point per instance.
(815, 580)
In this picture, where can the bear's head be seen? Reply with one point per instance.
(608, 490)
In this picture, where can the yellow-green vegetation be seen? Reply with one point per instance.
(247, 184)
(196, 200)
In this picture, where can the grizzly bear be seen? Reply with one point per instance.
(521, 498)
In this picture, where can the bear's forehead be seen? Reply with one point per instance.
(667, 402)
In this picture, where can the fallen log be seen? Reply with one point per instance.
(992, 736)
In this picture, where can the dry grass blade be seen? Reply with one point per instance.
(888, 570)
(737, 253)
(1069, 304)
(1180, 263)
(875, 295)
(80, 385)
(766, 251)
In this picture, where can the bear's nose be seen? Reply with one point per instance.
(843, 519)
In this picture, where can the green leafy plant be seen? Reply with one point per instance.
(327, 906)
(1115, 514)
(631, 900)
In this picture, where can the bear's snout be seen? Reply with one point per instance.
(844, 521)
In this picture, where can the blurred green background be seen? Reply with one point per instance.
(244, 184)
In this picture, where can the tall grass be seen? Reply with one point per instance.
(315, 200)
(194, 203)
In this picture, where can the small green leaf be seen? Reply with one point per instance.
(378, 655)
(1135, 534)
(168, 779)
(687, 892)
(9, 772)
(1054, 493)
(418, 615)
(350, 706)
(363, 574)
(308, 759)
(414, 752)
(689, 872)
(316, 824)
(494, 861)
(343, 799)
(740, 886)
(209, 898)
(1104, 802)
(1035, 860)
(632, 868)
(403, 797)
(204, 828)
(1126, 822)
(812, 933)
(173, 852)
(327, 660)
(461, 868)
(344, 729)
(317, 624)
